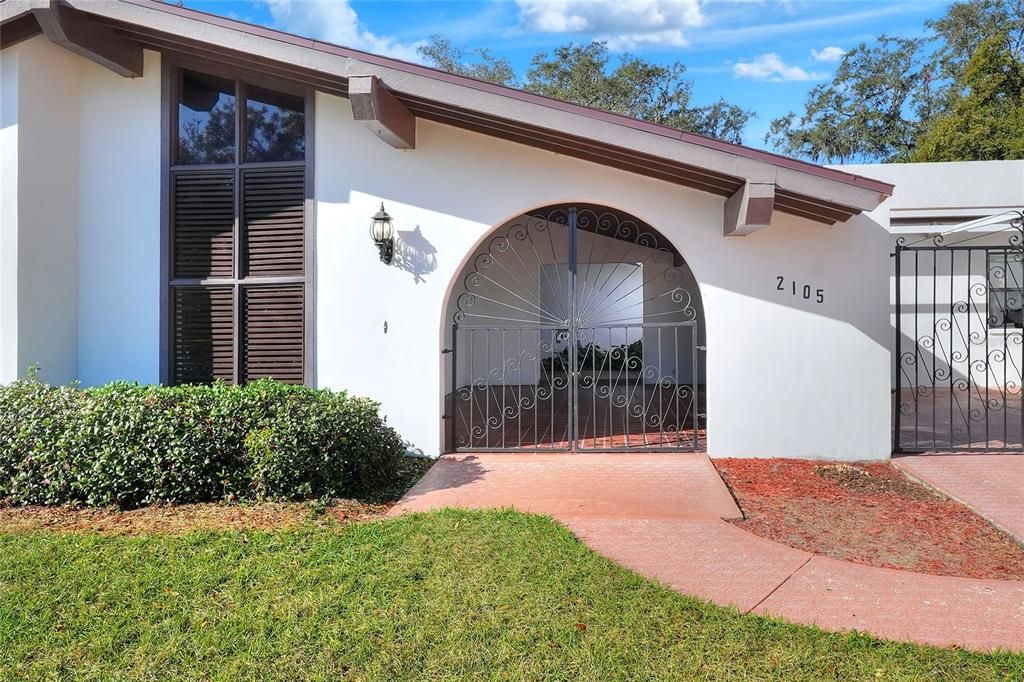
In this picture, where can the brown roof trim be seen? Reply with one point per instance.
(821, 194)
(19, 28)
(417, 69)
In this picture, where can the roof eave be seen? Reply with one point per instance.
(842, 194)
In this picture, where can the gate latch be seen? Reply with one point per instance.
(702, 348)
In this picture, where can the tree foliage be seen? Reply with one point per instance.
(889, 97)
(867, 110)
(479, 63)
(986, 121)
(967, 25)
(585, 74)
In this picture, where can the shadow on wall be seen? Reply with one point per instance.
(415, 254)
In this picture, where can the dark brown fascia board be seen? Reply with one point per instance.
(799, 177)
(802, 205)
(18, 29)
(382, 113)
(73, 30)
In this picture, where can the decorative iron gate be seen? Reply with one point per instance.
(959, 351)
(576, 329)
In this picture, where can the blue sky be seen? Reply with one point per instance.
(761, 54)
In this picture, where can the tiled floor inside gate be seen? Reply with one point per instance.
(981, 417)
(538, 418)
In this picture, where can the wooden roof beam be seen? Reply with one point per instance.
(374, 105)
(72, 30)
(749, 209)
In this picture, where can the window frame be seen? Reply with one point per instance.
(172, 67)
(993, 260)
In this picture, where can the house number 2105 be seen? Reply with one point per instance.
(802, 290)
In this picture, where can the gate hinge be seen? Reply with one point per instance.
(445, 351)
(703, 348)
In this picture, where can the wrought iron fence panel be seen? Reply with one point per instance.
(636, 387)
(560, 336)
(959, 344)
(508, 392)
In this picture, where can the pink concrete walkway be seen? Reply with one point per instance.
(661, 515)
(991, 485)
(561, 485)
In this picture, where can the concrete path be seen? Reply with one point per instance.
(661, 516)
(620, 485)
(991, 485)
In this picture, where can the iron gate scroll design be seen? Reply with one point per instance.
(959, 351)
(575, 330)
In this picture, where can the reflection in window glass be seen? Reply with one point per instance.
(206, 120)
(275, 126)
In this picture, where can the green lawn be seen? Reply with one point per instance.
(493, 595)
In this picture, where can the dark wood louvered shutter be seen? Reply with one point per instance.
(203, 334)
(273, 321)
(236, 256)
(203, 223)
(274, 221)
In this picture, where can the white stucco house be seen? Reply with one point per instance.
(544, 276)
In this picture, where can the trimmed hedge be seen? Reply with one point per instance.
(130, 445)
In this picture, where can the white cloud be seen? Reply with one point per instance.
(624, 24)
(746, 31)
(335, 22)
(769, 66)
(828, 54)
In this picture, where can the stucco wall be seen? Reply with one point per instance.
(40, 309)
(80, 239)
(9, 59)
(786, 376)
(947, 192)
(119, 225)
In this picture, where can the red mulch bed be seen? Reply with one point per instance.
(869, 514)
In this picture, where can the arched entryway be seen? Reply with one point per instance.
(575, 327)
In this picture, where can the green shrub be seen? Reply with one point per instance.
(131, 445)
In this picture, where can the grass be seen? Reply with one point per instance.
(445, 595)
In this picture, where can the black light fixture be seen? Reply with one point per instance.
(383, 234)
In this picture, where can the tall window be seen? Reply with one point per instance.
(238, 271)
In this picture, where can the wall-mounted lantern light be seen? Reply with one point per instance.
(383, 233)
